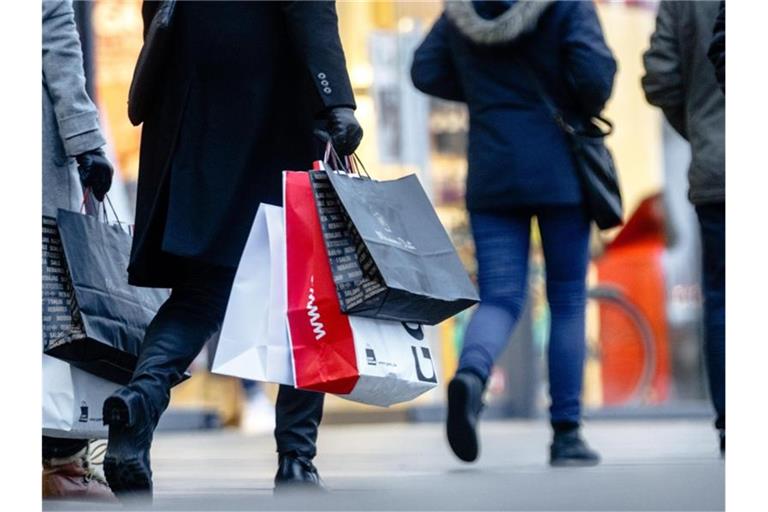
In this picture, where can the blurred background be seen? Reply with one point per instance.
(644, 328)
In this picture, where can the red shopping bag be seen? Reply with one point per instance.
(321, 338)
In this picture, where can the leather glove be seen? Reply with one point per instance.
(95, 172)
(344, 130)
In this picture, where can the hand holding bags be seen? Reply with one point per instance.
(390, 255)
(92, 317)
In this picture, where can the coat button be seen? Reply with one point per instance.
(321, 75)
(324, 82)
(327, 90)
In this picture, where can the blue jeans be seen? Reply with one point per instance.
(502, 244)
(712, 224)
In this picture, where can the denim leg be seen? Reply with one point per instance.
(712, 223)
(565, 241)
(502, 243)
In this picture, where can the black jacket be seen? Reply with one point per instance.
(245, 85)
(481, 53)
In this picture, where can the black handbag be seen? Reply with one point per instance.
(151, 62)
(594, 163)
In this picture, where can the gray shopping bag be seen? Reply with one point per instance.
(390, 256)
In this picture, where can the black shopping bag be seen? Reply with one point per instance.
(390, 256)
(92, 317)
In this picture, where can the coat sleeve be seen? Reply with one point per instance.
(663, 79)
(64, 79)
(590, 65)
(148, 10)
(716, 51)
(433, 71)
(315, 32)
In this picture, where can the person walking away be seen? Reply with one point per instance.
(243, 88)
(486, 54)
(72, 161)
(680, 79)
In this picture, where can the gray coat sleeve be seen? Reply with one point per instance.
(64, 79)
(663, 80)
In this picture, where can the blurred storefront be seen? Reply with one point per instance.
(407, 132)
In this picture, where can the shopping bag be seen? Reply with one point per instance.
(390, 256)
(73, 400)
(373, 361)
(92, 317)
(253, 343)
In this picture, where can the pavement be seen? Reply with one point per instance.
(647, 465)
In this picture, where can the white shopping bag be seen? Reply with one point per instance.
(73, 401)
(394, 362)
(253, 343)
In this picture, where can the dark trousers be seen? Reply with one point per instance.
(712, 224)
(502, 244)
(191, 316)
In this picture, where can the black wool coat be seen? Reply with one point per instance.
(244, 87)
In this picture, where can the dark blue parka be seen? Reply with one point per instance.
(476, 53)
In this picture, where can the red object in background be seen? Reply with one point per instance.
(632, 264)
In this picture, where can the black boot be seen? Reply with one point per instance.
(569, 449)
(465, 393)
(126, 463)
(297, 473)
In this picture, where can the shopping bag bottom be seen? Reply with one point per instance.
(98, 359)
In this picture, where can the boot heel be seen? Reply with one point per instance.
(120, 409)
(115, 412)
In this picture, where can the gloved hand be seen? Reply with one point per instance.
(344, 130)
(95, 172)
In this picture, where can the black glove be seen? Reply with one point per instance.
(344, 130)
(95, 172)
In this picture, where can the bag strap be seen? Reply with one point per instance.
(549, 103)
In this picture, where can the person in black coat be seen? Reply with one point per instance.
(242, 89)
(490, 55)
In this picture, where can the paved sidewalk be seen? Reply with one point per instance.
(647, 465)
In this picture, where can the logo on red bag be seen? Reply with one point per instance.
(314, 315)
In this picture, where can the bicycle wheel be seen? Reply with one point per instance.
(624, 348)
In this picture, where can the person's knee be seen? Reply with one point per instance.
(509, 301)
(566, 296)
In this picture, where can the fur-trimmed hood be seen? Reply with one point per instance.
(519, 19)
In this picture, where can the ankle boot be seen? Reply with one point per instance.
(465, 393)
(74, 477)
(297, 473)
(569, 449)
(131, 427)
